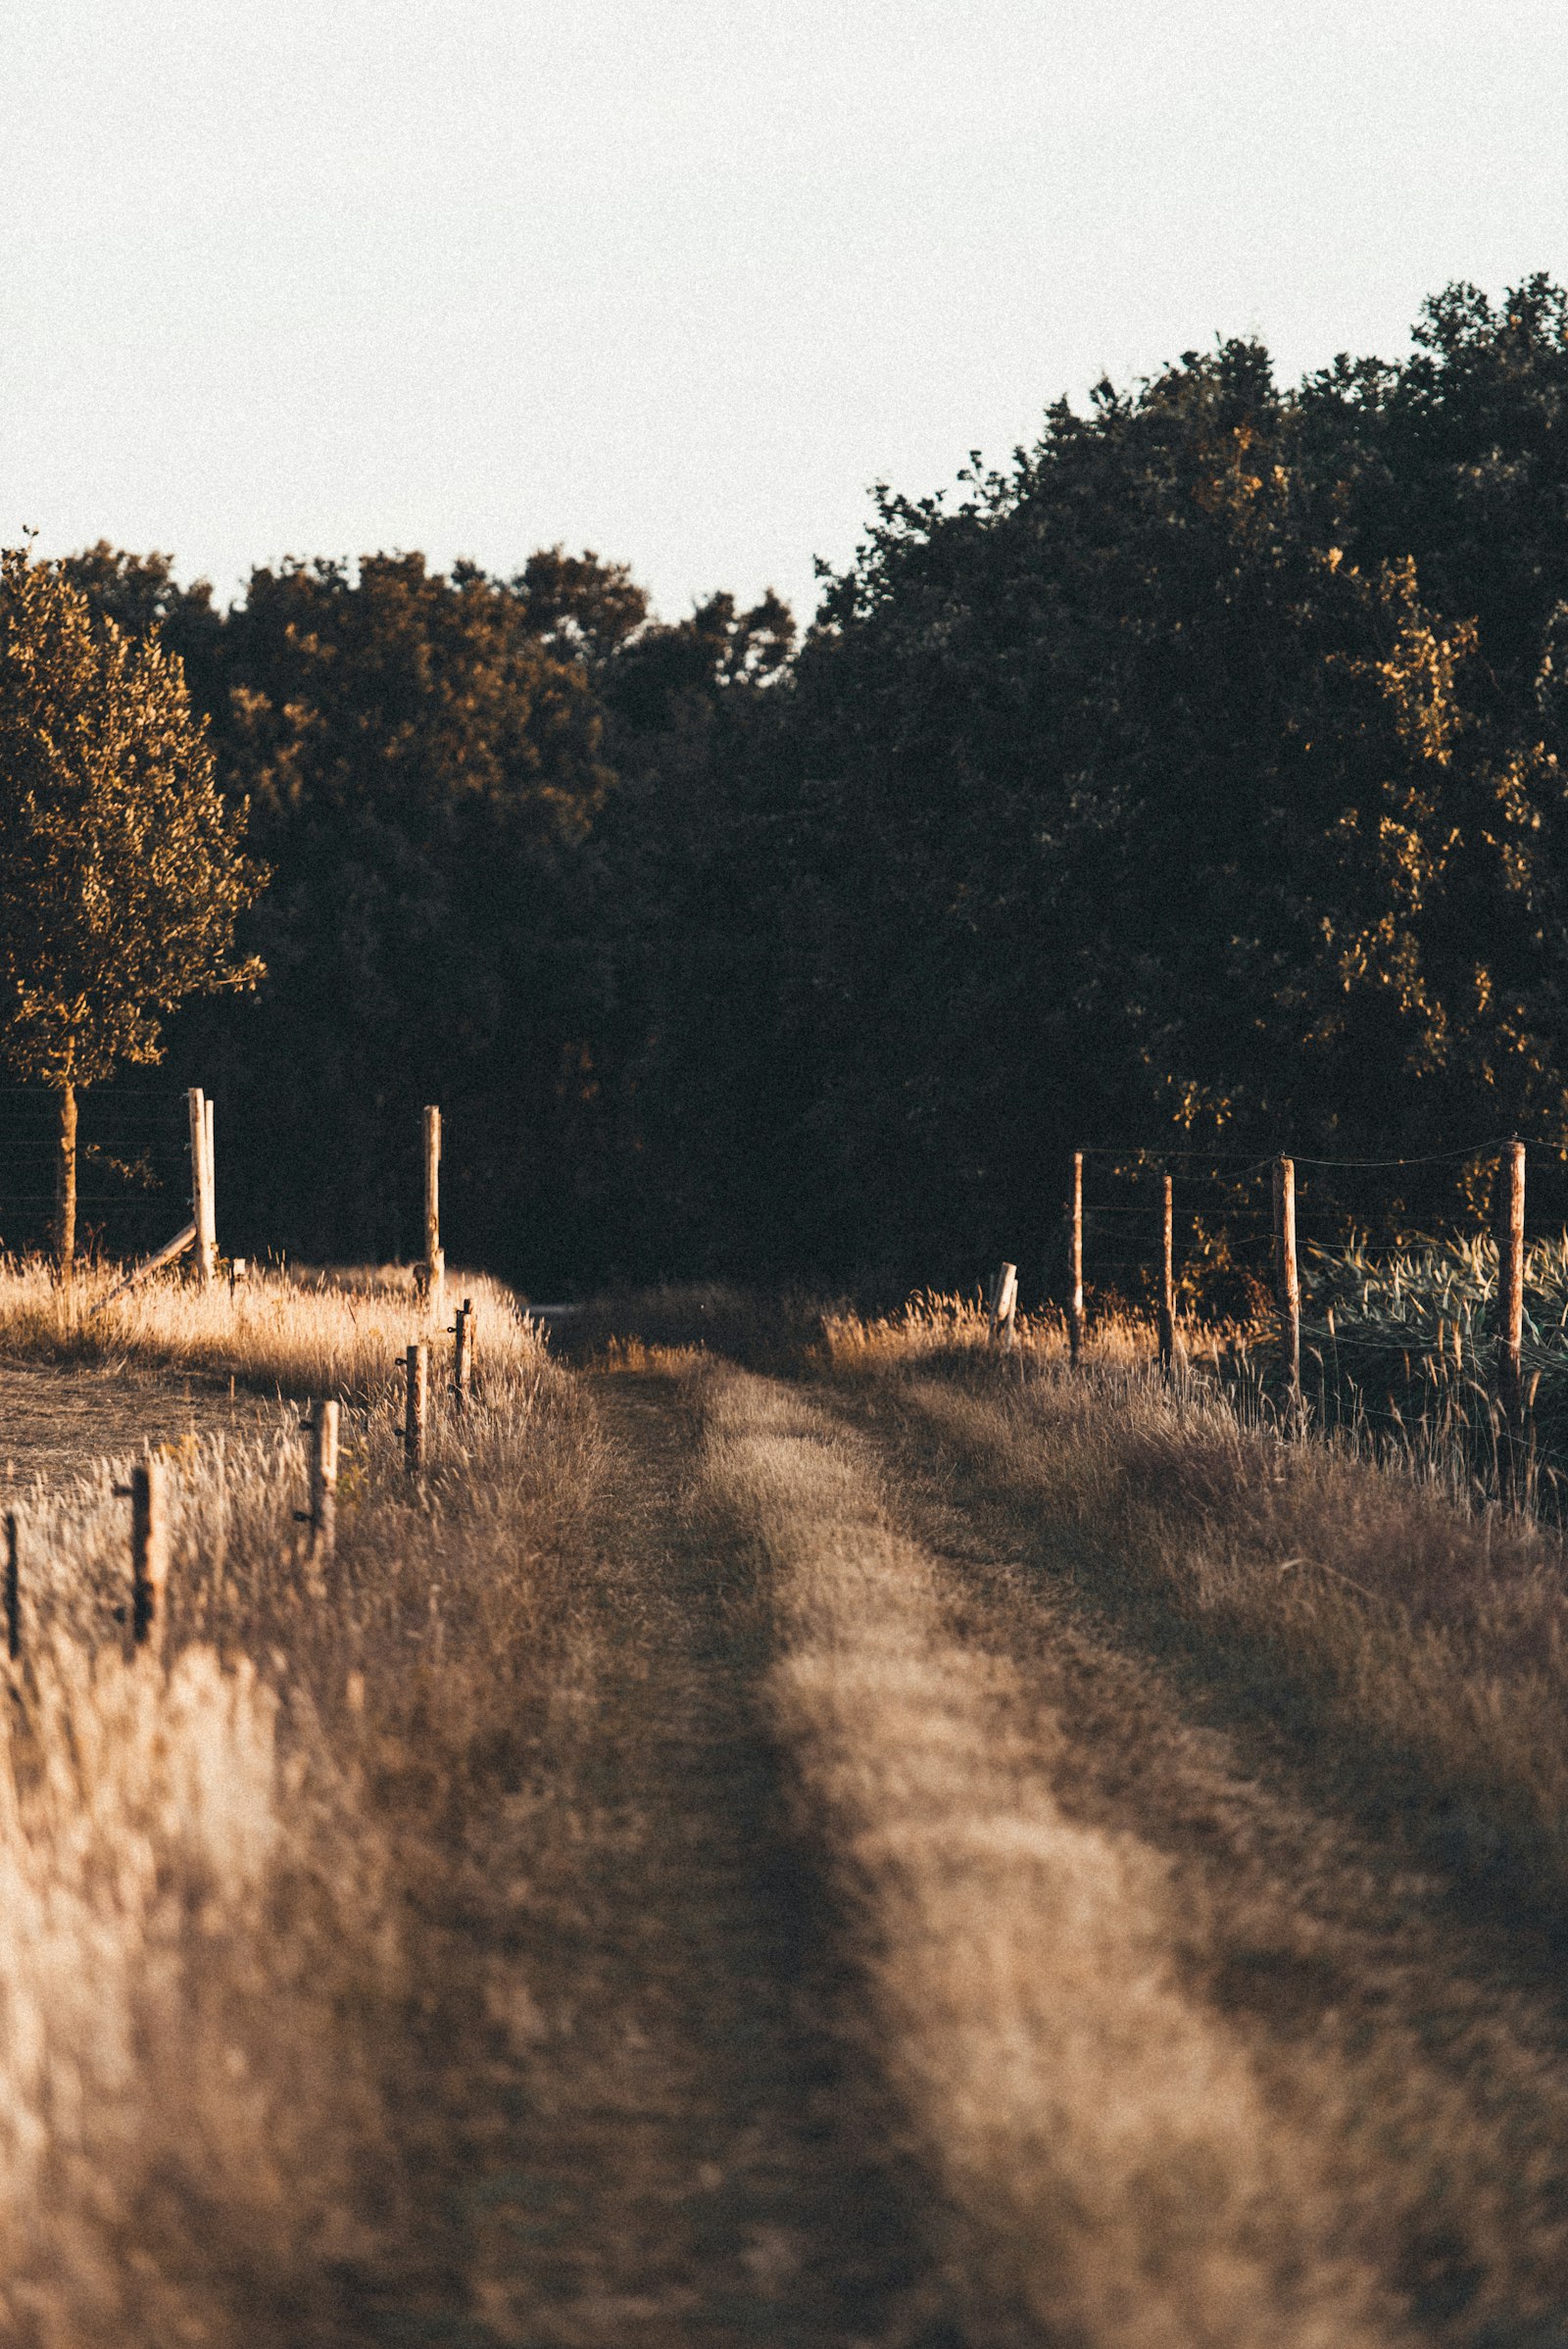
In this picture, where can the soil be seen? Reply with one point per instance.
(55, 1421)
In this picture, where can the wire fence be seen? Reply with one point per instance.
(1403, 1322)
(132, 1166)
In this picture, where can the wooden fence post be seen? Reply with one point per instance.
(417, 1371)
(1288, 1277)
(13, 1587)
(322, 1516)
(1075, 1262)
(149, 1553)
(1167, 1281)
(435, 1263)
(1003, 1306)
(212, 1190)
(202, 1213)
(1510, 1323)
(463, 1352)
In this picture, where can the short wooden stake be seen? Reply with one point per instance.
(463, 1352)
(1167, 1282)
(1075, 1262)
(418, 1372)
(322, 1516)
(13, 1587)
(149, 1553)
(1511, 1320)
(1287, 1277)
(435, 1263)
(1003, 1306)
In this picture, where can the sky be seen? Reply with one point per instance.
(681, 280)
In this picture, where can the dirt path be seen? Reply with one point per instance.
(690, 2154)
(57, 1420)
(1333, 1956)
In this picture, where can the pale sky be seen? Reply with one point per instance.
(679, 280)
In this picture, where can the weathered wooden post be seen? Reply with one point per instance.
(149, 1552)
(1075, 1262)
(1510, 1322)
(322, 1516)
(1288, 1285)
(417, 1374)
(202, 1210)
(463, 1352)
(13, 1587)
(435, 1263)
(212, 1182)
(1003, 1306)
(1167, 1281)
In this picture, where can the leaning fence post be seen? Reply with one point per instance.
(463, 1351)
(1003, 1306)
(1167, 1281)
(416, 1372)
(13, 1587)
(1510, 1320)
(322, 1516)
(1288, 1281)
(1075, 1262)
(435, 1263)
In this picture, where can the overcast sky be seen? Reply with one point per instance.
(679, 280)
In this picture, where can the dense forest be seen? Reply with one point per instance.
(1195, 781)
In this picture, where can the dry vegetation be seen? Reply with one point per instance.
(427, 1952)
(1099, 2133)
(1416, 1634)
(1118, 2172)
(1194, 2064)
(302, 1333)
(243, 1971)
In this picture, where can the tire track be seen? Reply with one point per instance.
(691, 2152)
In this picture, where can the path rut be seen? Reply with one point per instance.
(693, 2151)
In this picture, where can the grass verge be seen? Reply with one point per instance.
(1117, 2173)
(1420, 1641)
(247, 1935)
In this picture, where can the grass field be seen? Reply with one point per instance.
(796, 1827)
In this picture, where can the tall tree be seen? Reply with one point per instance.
(121, 873)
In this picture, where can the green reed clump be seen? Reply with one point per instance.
(1400, 1345)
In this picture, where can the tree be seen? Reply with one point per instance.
(422, 754)
(121, 873)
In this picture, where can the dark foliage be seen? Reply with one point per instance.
(1193, 782)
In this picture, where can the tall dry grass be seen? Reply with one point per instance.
(304, 1334)
(244, 1968)
(939, 1324)
(1119, 2174)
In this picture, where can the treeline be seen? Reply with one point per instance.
(1195, 781)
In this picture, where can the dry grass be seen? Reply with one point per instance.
(243, 1964)
(301, 1333)
(1121, 2175)
(1422, 1638)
